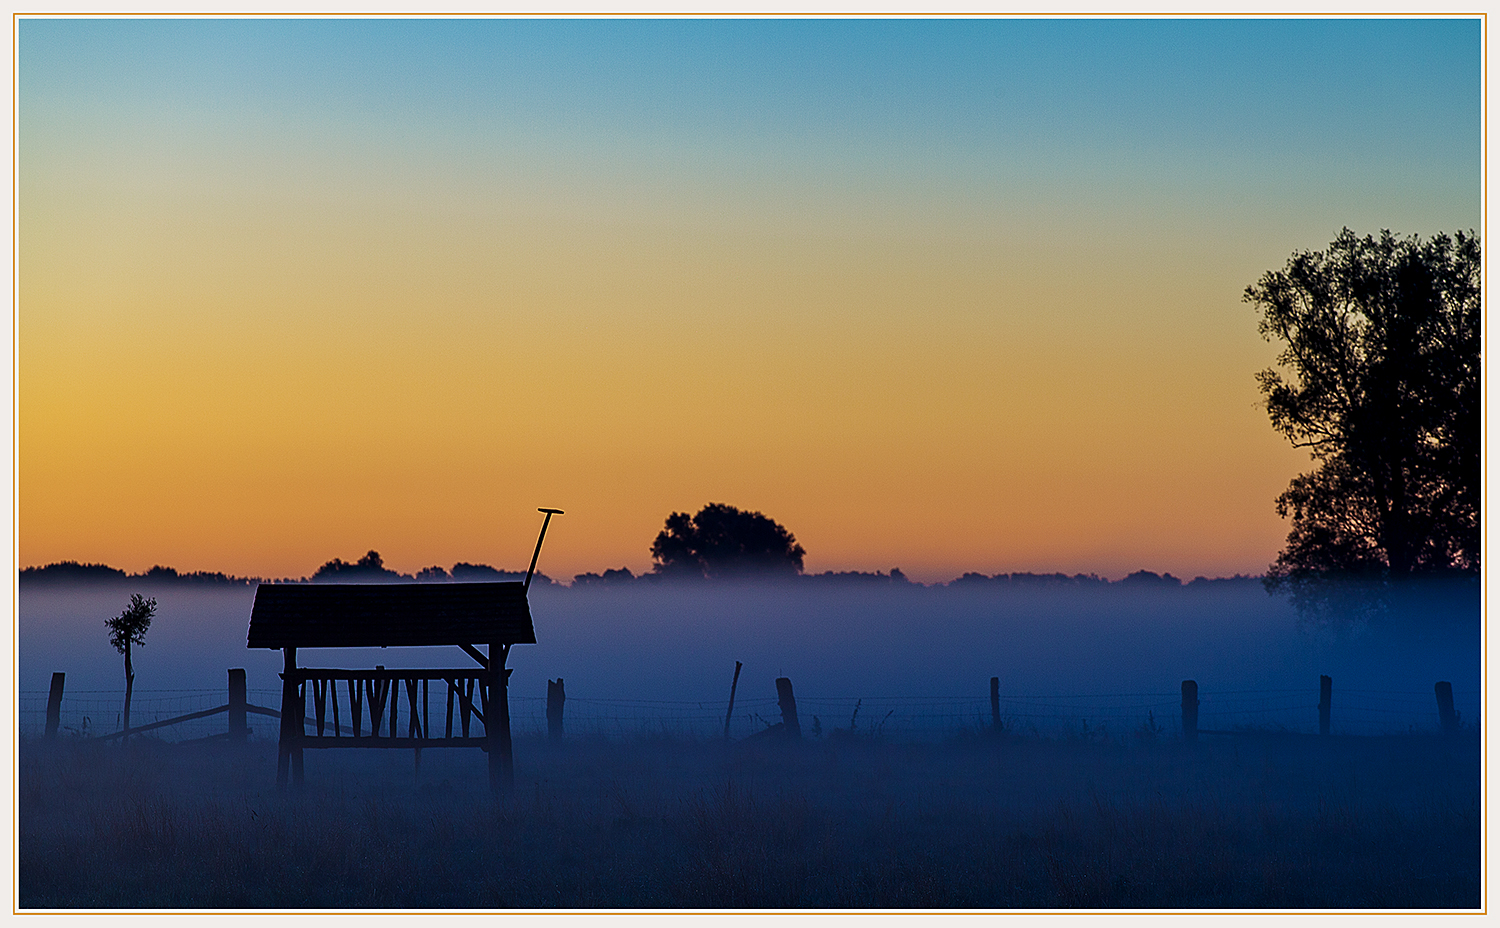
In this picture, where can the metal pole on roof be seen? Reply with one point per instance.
(538, 552)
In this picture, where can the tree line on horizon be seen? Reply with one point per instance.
(371, 569)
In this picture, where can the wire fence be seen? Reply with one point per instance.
(95, 713)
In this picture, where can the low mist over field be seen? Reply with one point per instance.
(855, 640)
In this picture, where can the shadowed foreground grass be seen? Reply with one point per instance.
(1248, 822)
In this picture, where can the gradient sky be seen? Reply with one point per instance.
(958, 295)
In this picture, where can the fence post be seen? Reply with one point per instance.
(54, 705)
(788, 704)
(238, 730)
(733, 685)
(555, 698)
(1189, 710)
(1325, 703)
(1446, 716)
(995, 704)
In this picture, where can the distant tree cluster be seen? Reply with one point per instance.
(368, 569)
(608, 578)
(860, 577)
(1140, 579)
(1030, 580)
(371, 569)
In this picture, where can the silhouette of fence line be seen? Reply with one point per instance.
(188, 715)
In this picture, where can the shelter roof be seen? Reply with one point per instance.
(362, 615)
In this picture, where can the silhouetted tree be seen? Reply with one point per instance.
(1379, 379)
(723, 542)
(126, 629)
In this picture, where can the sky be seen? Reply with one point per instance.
(944, 295)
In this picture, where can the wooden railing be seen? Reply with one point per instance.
(375, 696)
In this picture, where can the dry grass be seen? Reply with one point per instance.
(856, 823)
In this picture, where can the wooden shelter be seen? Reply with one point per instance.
(466, 615)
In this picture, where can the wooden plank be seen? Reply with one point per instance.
(377, 691)
(452, 685)
(300, 674)
(356, 705)
(320, 690)
(137, 729)
(413, 724)
(312, 741)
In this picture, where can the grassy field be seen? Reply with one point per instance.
(853, 822)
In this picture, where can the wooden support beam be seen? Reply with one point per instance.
(497, 723)
(478, 655)
(290, 714)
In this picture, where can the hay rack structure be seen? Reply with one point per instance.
(289, 616)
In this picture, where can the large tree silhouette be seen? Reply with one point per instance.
(724, 542)
(1379, 379)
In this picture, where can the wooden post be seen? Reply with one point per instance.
(238, 730)
(788, 704)
(1447, 718)
(733, 685)
(1189, 710)
(497, 724)
(54, 705)
(1325, 703)
(995, 704)
(291, 717)
(555, 699)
